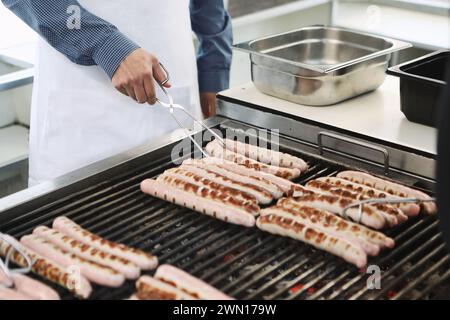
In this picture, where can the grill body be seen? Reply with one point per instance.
(242, 262)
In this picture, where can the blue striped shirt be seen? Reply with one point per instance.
(100, 43)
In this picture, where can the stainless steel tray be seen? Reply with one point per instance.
(319, 65)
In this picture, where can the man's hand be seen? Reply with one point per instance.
(136, 76)
(208, 103)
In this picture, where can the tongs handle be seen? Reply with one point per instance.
(4, 266)
(361, 203)
(202, 124)
(173, 106)
(161, 85)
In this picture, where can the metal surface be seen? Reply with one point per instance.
(243, 262)
(92, 174)
(21, 75)
(319, 65)
(360, 204)
(436, 7)
(355, 142)
(400, 158)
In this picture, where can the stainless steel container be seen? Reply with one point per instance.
(319, 65)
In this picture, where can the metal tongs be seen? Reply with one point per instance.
(360, 204)
(171, 106)
(4, 266)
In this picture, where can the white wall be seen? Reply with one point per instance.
(13, 31)
(249, 28)
(421, 28)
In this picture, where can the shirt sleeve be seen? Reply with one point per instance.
(93, 42)
(212, 25)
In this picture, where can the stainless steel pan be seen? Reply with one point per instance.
(319, 65)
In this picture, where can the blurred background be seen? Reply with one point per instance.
(424, 23)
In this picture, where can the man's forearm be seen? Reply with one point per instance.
(212, 24)
(92, 41)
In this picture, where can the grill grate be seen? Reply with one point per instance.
(245, 263)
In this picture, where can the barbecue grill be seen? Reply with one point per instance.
(243, 262)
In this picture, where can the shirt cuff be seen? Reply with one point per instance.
(214, 81)
(113, 51)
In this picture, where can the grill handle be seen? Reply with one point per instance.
(384, 151)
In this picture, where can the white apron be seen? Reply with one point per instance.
(78, 117)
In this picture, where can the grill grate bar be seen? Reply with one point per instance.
(263, 265)
(185, 235)
(248, 262)
(330, 285)
(214, 248)
(401, 263)
(247, 254)
(311, 283)
(123, 225)
(140, 235)
(74, 200)
(399, 277)
(296, 281)
(234, 248)
(433, 285)
(386, 257)
(198, 246)
(257, 264)
(406, 290)
(94, 219)
(303, 261)
(262, 274)
(177, 227)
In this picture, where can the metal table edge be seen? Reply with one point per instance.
(21, 197)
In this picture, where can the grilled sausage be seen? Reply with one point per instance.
(85, 251)
(389, 187)
(91, 270)
(266, 156)
(216, 150)
(342, 225)
(369, 217)
(226, 198)
(49, 270)
(409, 209)
(392, 214)
(143, 260)
(186, 176)
(149, 288)
(211, 164)
(192, 201)
(189, 284)
(310, 234)
(30, 287)
(306, 215)
(261, 195)
(285, 185)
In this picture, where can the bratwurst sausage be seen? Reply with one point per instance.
(216, 209)
(142, 259)
(123, 266)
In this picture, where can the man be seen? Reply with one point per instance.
(96, 70)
